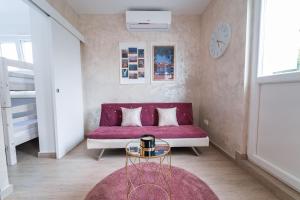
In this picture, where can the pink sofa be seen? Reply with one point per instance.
(110, 134)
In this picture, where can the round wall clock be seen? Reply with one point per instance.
(220, 39)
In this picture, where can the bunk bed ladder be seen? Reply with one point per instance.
(6, 114)
(18, 107)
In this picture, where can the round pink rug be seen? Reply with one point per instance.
(184, 186)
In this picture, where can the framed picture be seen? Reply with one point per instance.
(163, 63)
(132, 63)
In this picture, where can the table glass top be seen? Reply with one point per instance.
(162, 148)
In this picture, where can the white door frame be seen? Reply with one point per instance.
(254, 60)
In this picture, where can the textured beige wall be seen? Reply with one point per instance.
(66, 11)
(100, 59)
(222, 80)
(214, 86)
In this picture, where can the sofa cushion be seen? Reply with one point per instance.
(131, 117)
(117, 132)
(111, 114)
(167, 117)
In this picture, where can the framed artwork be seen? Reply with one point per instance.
(163, 63)
(132, 63)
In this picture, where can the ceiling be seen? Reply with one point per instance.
(188, 7)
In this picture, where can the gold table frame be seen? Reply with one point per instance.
(164, 173)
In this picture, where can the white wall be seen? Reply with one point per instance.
(279, 127)
(14, 18)
(41, 34)
(275, 137)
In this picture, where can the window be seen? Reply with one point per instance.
(9, 50)
(280, 37)
(16, 48)
(27, 51)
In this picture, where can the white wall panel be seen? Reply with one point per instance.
(278, 140)
(41, 40)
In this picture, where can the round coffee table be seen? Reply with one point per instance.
(163, 173)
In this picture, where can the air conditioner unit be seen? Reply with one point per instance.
(148, 20)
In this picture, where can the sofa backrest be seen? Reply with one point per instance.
(111, 114)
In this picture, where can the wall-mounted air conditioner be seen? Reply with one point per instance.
(148, 20)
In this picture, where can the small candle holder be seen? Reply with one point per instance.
(147, 144)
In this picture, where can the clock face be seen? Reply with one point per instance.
(219, 40)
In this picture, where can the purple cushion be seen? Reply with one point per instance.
(111, 114)
(118, 132)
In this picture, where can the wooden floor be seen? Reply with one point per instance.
(73, 176)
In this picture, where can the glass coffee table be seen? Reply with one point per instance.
(143, 173)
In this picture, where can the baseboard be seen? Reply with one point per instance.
(6, 191)
(220, 149)
(240, 156)
(278, 188)
(46, 155)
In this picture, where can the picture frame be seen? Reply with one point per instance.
(163, 62)
(132, 62)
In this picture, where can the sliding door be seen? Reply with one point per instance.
(67, 90)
